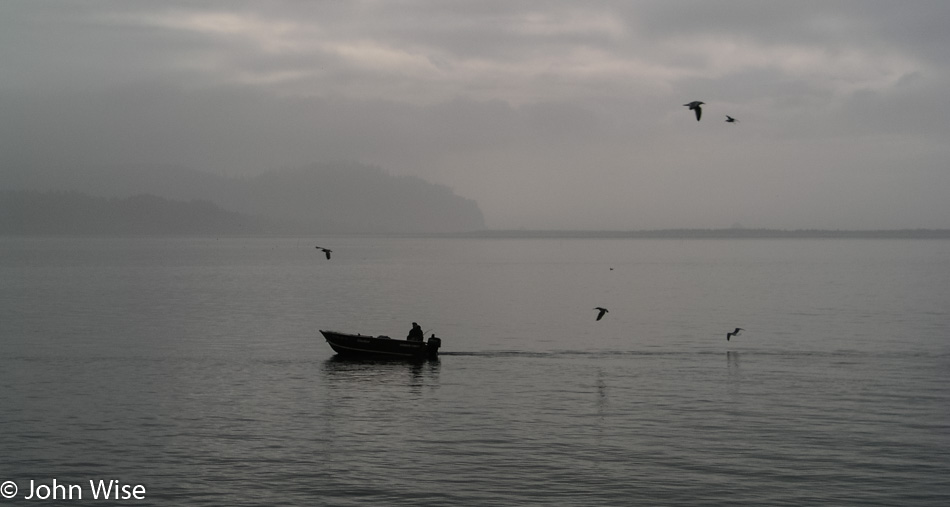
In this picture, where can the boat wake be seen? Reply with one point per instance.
(670, 352)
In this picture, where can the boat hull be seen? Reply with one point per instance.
(356, 345)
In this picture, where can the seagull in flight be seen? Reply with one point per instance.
(730, 119)
(600, 312)
(326, 251)
(734, 333)
(694, 105)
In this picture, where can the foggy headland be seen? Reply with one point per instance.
(328, 198)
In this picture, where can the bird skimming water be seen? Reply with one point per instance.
(694, 105)
(600, 312)
(734, 333)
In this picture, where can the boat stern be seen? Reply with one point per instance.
(432, 346)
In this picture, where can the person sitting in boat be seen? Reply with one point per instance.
(416, 334)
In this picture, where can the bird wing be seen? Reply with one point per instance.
(699, 112)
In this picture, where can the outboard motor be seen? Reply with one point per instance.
(432, 346)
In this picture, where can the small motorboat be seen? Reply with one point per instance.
(357, 345)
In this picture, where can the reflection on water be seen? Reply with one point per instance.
(732, 359)
(374, 409)
(339, 370)
(601, 393)
(734, 373)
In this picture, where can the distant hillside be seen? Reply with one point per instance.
(29, 212)
(356, 198)
(327, 198)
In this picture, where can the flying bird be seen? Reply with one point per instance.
(730, 119)
(694, 105)
(734, 333)
(326, 251)
(600, 312)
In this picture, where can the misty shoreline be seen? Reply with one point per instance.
(74, 214)
(725, 233)
(677, 234)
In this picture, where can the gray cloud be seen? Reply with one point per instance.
(548, 114)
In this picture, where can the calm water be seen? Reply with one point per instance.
(194, 367)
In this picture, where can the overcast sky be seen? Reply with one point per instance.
(549, 114)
